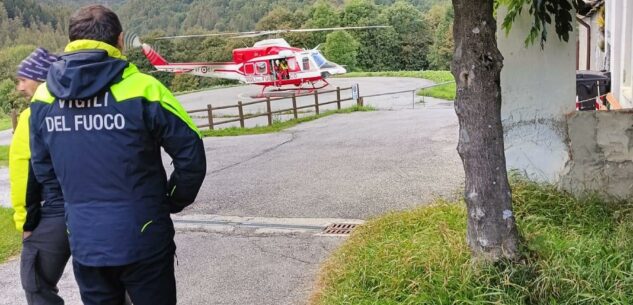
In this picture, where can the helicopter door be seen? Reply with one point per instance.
(274, 69)
(293, 67)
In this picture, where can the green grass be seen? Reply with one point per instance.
(5, 123)
(9, 237)
(575, 252)
(446, 92)
(4, 155)
(278, 125)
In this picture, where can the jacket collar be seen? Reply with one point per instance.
(86, 44)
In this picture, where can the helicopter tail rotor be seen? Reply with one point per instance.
(131, 41)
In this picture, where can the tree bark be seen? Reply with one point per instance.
(477, 64)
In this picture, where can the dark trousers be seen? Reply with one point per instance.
(44, 256)
(147, 282)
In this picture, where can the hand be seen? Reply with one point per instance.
(26, 234)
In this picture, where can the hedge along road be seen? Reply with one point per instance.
(354, 166)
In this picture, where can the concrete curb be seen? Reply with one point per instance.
(255, 225)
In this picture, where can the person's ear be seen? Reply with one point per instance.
(119, 42)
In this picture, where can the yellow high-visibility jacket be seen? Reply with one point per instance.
(26, 192)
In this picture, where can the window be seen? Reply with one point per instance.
(319, 59)
(261, 68)
(306, 63)
(292, 64)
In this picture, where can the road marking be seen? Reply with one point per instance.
(256, 225)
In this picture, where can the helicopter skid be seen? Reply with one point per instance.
(287, 92)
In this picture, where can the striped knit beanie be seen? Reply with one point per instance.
(36, 65)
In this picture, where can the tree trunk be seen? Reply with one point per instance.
(477, 64)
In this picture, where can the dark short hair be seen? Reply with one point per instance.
(95, 22)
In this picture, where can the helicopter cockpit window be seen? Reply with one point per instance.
(319, 59)
(292, 64)
(261, 68)
(306, 63)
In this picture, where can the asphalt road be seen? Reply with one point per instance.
(354, 165)
(221, 269)
(6, 136)
(349, 166)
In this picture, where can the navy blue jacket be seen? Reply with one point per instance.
(97, 128)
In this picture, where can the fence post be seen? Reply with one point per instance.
(210, 113)
(294, 106)
(270, 111)
(241, 110)
(338, 98)
(316, 101)
(14, 118)
(360, 102)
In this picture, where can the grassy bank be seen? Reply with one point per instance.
(575, 252)
(9, 237)
(5, 123)
(4, 155)
(278, 125)
(446, 92)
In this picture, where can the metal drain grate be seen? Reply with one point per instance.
(339, 228)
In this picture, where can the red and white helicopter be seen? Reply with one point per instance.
(269, 63)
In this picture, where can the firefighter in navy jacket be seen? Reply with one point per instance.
(97, 128)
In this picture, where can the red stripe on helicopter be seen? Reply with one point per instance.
(153, 57)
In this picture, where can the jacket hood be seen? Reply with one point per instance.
(88, 68)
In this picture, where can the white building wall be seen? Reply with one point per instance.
(626, 94)
(538, 89)
(619, 36)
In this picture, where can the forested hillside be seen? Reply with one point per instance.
(30, 22)
(177, 16)
(420, 36)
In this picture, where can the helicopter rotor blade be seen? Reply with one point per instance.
(200, 35)
(271, 32)
(249, 34)
(257, 33)
(339, 28)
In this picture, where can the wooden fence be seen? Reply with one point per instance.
(212, 123)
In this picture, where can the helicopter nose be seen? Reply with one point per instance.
(332, 69)
(337, 69)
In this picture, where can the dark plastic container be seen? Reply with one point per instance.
(590, 84)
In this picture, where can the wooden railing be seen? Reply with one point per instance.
(242, 117)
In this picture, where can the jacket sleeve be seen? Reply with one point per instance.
(25, 190)
(40, 156)
(180, 138)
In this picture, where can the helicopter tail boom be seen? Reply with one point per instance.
(154, 58)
